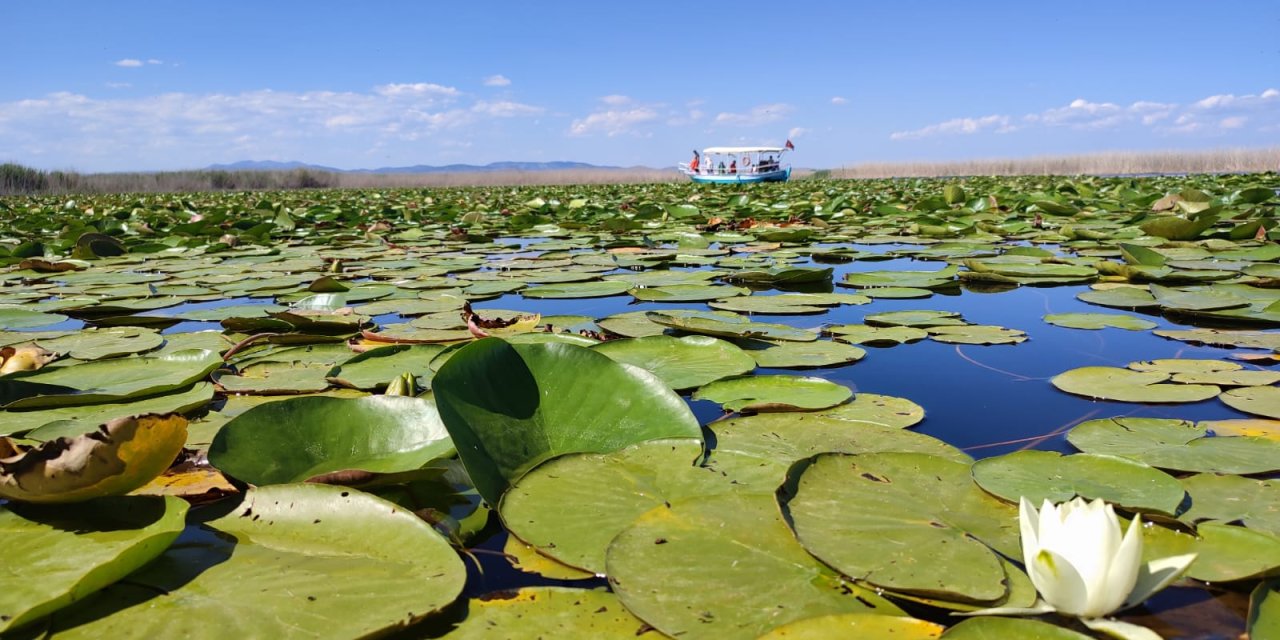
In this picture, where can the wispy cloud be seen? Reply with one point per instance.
(128, 62)
(496, 81)
(619, 115)
(1219, 113)
(759, 115)
(838, 100)
(89, 129)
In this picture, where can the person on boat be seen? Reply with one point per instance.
(693, 164)
(720, 168)
(733, 166)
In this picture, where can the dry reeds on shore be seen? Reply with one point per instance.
(1106, 163)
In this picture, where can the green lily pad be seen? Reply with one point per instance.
(1127, 385)
(727, 325)
(777, 354)
(56, 556)
(683, 363)
(19, 318)
(1176, 444)
(1196, 300)
(412, 306)
(781, 275)
(511, 407)
(1099, 321)
(877, 410)
(593, 289)
(1256, 379)
(1184, 365)
(782, 304)
(897, 293)
(1120, 297)
(687, 292)
(993, 628)
(915, 318)
(1227, 552)
(118, 379)
(60, 422)
(977, 334)
(533, 613)
(279, 552)
(1049, 475)
(1228, 498)
(725, 566)
(1259, 401)
(1264, 611)
(571, 507)
(865, 626)
(876, 336)
(774, 393)
(94, 344)
(915, 279)
(275, 378)
(375, 368)
(300, 438)
(872, 515)
(1225, 337)
(632, 324)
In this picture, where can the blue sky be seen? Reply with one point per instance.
(127, 85)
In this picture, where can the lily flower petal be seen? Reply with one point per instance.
(1059, 582)
(1029, 522)
(1127, 563)
(1156, 575)
(1121, 630)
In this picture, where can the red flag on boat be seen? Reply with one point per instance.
(789, 145)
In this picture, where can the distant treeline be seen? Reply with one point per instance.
(16, 179)
(1106, 163)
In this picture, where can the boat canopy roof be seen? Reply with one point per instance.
(742, 150)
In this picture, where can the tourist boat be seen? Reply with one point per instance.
(739, 165)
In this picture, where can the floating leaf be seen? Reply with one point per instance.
(1260, 401)
(94, 344)
(299, 438)
(728, 325)
(1126, 385)
(56, 556)
(1049, 475)
(871, 515)
(550, 612)
(687, 292)
(683, 363)
(977, 334)
(511, 407)
(774, 393)
(1098, 321)
(1176, 444)
(1228, 498)
(876, 336)
(725, 566)
(116, 379)
(993, 628)
(778, 354)
(865, 626)
(267, 569)
(374, 369)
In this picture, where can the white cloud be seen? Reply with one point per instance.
(69, 128)
(1217, 112)
(839, 100)
(964, 126)
(796, 133)
(758, 115)
(496, 81)
(154, 61)
(616, 100)
(613, 122)
(128, 62)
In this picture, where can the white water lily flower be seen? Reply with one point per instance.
(1082, 566)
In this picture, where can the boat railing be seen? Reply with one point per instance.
(709, 169)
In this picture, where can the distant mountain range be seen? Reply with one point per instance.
(270, 165)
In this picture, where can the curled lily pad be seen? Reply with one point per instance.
(1127, 385)
(48, 424)
(872, 515)
(1098, 321)
(550, 612)
(121, 456)
(683, 363)
(510, 407)
(774, 393)
(781, 275)
(299, 438)
(739, 569)
(1048, 475)
(1176, 444)
(278, 551)
(56, 556)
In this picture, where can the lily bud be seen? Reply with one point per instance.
(402, 385)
